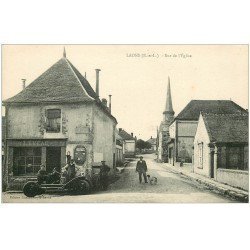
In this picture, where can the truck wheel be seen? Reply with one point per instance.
(87, 187)
(31, 189)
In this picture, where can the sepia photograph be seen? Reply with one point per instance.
(125, 123)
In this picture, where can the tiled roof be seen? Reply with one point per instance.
(125, 135)
(60, 83)
(195, 107)
(227, 128)
(152, 141)
(118, 137)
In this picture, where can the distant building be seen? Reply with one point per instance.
(221, 148)
(152, 141)
(183, 128)
(3, 138)
(163, 132)
(129, 142)
(58, 113)
(119, 156)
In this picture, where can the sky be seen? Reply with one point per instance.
(137, 75)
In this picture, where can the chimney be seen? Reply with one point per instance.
(132, 134)
(120, 129)
(24, 81)
(104, 102)
(97, 82)
(110, 103)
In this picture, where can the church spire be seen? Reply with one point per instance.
(64, 52)
(169, 106)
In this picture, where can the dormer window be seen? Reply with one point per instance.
(53, 120)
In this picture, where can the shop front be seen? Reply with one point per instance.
(24, 158)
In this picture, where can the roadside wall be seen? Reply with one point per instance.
(233, 177)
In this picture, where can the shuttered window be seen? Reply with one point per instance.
(53, 124)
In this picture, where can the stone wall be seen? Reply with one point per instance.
(24, 122)
(232, 177)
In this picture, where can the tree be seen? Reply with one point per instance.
(140, 144)
(147, 145)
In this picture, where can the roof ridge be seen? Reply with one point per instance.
(223, 114)
(68, 63)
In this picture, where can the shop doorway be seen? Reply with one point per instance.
(53, 159)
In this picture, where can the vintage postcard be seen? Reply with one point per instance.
(125, 123)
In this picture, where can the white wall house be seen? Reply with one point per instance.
(221, 148)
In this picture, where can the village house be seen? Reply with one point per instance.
(152, 142)
(3, 137)
(129, 142)
(163, 132)
(221, 148)
(118, 149)
(58, 114)
(183, 128)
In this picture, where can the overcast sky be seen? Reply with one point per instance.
(138, 85)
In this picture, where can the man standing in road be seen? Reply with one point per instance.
(141, 168)
(104, 169)
(71, 169)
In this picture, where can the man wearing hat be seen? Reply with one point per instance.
(104, 169)
(42, 175)
(71, 170)
(141, 168)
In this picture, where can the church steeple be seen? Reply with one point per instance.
(168, 112)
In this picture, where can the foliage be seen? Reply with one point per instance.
(140, 144)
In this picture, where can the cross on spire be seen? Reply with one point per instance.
(64, 52)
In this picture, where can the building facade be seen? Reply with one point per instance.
(58, 114)
(221, 148)
(183, 128)
(152, 142)
(119, 149)
(163, 132)
(129, 143)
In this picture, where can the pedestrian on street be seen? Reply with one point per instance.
(42, 175)
(104, 170)
(71, 170)
(141, 168)
(68, 156)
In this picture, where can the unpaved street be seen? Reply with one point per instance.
(171, 188)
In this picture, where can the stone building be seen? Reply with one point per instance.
(129, 142)
(163, 132)
(152, 142)
(221, 148)
(57, 114)
(119, 155)
(183, 128)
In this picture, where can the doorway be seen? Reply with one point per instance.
(53, 159)
(212, 165)
(170, 155)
